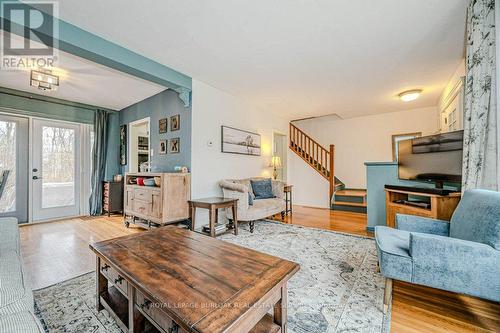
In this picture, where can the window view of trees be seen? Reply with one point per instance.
(8, 162)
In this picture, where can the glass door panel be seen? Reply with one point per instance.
(14, 167)
(56, 170)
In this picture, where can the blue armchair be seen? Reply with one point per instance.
(461, 256)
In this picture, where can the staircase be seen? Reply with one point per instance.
(323, 161)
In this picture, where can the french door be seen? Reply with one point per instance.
(55, 172)
(14, 167)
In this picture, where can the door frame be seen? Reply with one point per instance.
(129, 140)
(85, 175)
(285, 152)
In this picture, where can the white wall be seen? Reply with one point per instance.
(211, 109)
(356, 140)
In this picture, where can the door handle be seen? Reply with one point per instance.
(36, 177)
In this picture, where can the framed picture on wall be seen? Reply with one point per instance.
(162, 150)
(162, 125)
(123, 145)
(175, 123)
(175, 145)
(238, 141)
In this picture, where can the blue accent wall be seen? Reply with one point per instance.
(162, 105)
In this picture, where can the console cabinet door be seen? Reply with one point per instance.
(129, 198)
(156, 206)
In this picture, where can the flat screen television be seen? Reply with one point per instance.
(435, 158)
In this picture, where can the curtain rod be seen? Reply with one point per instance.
(53, 100)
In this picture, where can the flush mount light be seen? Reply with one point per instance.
(44, 80)
(410, 95)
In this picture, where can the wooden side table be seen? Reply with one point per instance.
(213, 205)
(288, 199)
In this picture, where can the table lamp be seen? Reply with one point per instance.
(275, 163)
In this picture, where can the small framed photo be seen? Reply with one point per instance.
(163, 147)
(163, 125)
(174, 145)
(175, 123)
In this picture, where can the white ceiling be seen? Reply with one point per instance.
(296, 58)
(86, 82)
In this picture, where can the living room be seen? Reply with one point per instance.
(263, 141)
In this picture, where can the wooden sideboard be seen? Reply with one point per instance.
(165, 203)
(439, 206)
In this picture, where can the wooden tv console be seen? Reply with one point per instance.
(440, 206)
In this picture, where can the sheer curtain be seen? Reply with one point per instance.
(98, 161)
(480, 162)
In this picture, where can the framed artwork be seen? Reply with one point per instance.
(174, 145)
(236, 141)
(400, 137)
(123, 145)
(162, 125)
(162, 150)
(175, 123)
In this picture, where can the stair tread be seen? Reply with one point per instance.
(351, 193)
(354, 204)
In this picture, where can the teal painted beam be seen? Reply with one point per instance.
(84, 44)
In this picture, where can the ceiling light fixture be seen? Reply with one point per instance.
(410, 95)
(44, 80)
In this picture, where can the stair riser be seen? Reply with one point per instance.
(348, 198)
(354, 209)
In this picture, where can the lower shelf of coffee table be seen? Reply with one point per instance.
(117, 306)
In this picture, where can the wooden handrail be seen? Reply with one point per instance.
(314, 154)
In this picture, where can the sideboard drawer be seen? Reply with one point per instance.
(143, 194)
(154, 312)
(141, 207)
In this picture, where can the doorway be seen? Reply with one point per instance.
(280, 150)
(55, 170)
(139, 146)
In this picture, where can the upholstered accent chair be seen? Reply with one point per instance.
(461, 256)
(241, 189)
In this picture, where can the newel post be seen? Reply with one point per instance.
(332, 172)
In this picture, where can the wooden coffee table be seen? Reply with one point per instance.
(174, 280)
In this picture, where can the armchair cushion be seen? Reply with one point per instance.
(424, 225)
(477, 218)
(393, 253)
(456, 265)
(262, 188)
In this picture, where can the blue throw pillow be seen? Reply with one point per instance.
(262, 188)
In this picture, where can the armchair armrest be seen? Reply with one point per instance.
(278, 188)
(424, 225)
(456, 265)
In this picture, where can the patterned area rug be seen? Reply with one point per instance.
(337, 288)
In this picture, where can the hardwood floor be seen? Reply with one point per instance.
(57, 251)
(351, 223)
